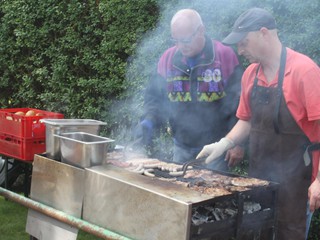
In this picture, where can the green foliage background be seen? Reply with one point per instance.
(91, 59)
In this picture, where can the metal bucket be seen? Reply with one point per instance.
(58, 126)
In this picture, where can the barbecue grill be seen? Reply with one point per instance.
(147, 208)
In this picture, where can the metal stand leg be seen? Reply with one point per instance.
(5, 172)
(27, 181)
(12, 168)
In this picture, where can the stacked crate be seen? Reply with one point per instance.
(23, 136)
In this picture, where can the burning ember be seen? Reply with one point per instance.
(221, 211)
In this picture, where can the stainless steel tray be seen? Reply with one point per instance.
(82, 149)
(58, 126)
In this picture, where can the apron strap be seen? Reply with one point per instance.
(314, 147)
(255, 83)
(280, 92)
(307, 156)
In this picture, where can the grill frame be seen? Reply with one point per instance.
(103, 178)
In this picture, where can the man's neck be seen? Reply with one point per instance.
(271, 63)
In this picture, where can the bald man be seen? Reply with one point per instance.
(196, 88)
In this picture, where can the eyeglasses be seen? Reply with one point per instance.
(186, 40)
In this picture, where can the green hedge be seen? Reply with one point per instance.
(69, 56)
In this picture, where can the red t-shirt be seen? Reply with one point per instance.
(301, 90)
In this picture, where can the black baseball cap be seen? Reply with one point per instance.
(251, 20)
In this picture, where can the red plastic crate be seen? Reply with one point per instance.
(22, 126)
(21, 148)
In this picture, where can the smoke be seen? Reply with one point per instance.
(218, 17)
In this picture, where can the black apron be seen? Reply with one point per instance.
(277, 145)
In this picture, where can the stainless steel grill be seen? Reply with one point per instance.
(152, 208)
(141, 207)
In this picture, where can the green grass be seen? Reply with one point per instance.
(13, 217)
(12, 220)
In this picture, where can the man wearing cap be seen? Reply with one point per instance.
(279, 112)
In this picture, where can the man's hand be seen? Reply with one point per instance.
(314, 194)
(234, 156)
(215, 150)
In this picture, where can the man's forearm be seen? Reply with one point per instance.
(240, 132)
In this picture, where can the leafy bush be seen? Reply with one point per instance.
(69, 56)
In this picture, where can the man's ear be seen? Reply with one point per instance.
(264, 31)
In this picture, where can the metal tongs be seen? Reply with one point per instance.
(169, 174)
